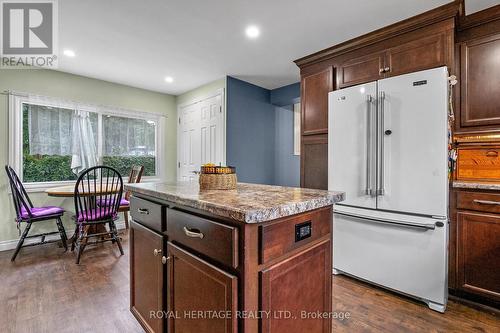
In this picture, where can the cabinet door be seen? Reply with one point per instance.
(314, 101)
(202, 297)
(146, 276)
(314, 162)
(424, 53)
(308, 278)
(480, 82)
(479, 254)
(364, 69)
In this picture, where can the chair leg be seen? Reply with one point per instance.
(125, 216)
(21, 241)
(114, 233)
(79, 244)
(62, 233)
(73, 239)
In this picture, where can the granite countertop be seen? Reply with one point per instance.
(249, 203)
(476, 185)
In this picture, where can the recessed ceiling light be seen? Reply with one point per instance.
(69, 53)
(169, 79)
(252, 31)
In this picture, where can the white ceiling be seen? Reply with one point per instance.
(138, 43)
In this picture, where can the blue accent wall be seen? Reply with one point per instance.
(286, 96)
(259, 133)
(250, 132)
(286, 164)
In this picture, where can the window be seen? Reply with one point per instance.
(51, 140)
(129, 141)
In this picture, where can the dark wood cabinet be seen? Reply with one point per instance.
(314, 101)
(216, 273)
(202, 297)
(308, 278)
(147, 277)
(420, 54)
(480, 82)
(362, 69)
(478, 254)
(314, 162)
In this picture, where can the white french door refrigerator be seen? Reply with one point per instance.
(388, 151)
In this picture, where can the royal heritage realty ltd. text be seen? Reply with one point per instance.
(280, 314)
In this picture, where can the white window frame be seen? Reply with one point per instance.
(16, 134)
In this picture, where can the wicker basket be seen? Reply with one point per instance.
(217, 181)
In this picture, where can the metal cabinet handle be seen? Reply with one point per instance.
(368, 190)
(387, 69)
(156, 252)
(193, 234)
(492, 153)
(381, 70)
(487, 202)
(164, 259)
(143, 211)
(381, 186)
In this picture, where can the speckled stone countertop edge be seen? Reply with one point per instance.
(476, 186)
(242, 215)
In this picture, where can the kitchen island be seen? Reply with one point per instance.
(254, 259)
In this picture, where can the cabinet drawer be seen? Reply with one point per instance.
(277, 239)
(148, 213)
(483, 202)
(478, 164)
(215, 240)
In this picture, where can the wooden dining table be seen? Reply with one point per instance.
(68, 191)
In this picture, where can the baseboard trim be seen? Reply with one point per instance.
(11, 244)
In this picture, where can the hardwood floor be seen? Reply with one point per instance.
(44, 291)
(374, 309)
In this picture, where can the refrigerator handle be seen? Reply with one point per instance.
(368, 190)
(380, 133)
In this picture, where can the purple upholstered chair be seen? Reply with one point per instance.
(95, 186)
(27, 213)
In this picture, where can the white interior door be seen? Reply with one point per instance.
(201, 136)
(351, 144)
(211, 131)
(414, 169)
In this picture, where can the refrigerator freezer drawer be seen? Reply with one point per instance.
(406, 258)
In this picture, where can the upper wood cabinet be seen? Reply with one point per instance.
(418, 54)
(362, 69)
(423, 53)
(480, 82)
(314, 101)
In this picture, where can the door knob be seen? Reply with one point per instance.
(388, 132)
(156, 252)
(164, 259)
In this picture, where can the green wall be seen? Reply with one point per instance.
(83, 89)
(201, 91)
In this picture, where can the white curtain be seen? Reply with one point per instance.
(49, 129)
(83, 148)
